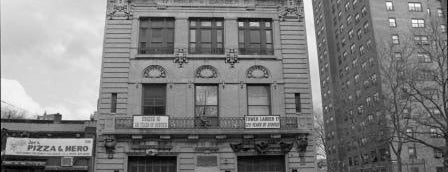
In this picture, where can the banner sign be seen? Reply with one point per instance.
(49, 146)
(150, 122)
(262, 121)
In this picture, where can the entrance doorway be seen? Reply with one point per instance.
(152, 164)
(261, 164)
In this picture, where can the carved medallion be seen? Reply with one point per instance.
(120, 9)
(154, 71)
(257, 71)
(206, 71)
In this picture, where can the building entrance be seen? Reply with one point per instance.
(152, 164)
(261, 164)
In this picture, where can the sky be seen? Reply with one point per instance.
(51, 56)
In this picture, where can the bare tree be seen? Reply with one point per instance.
(320, 137)
(414, 82)
(11, 113)
(396, 105)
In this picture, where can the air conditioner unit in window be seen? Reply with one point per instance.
(66, 161)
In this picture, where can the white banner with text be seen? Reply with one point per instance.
(262, 121)
(150, 122)
(49, 146)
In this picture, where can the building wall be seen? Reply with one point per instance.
(340, 99)
(123, 66)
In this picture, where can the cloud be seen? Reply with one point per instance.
(53, 50)
(15, 95)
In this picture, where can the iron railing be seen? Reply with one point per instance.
(256, 51)
(206, 123)
(153, 50)
(197, 50)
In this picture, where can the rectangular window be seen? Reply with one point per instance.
(424, 58)
(255, 36)
(395, 39)
(392, 22)
(258, 100)
(415, 6)
(440, 12)
(412, 152)
(154, 99)
(206, 36)
(418, 23)
(442, 28)
(389, 6)
(156, 36)
(414, 169)
(421, 40)
(298, 102)
(206, 105)
(113, 103)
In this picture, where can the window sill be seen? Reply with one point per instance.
(258, 56)
(141, 56)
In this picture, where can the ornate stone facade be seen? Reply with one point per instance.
(223, 135)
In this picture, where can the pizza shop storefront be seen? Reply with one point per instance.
(47, 154)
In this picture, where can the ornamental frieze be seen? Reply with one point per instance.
(120, 9)
(206, 71)
(258, 72)
(154, 71)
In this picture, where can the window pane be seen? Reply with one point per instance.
(206, 95)
(154, 99)
(241, 36)
(254, 36)
(156, 35)
(258, 95)
(206, 36)
(267, 24)
(169, 35)
(192, 23)
(258, 110)
(219, 23)
(206, 23)
(240, 24)
(268, 36)
(157, 23)
(170, 23)
(192, 35)
(254, 24)
(219, 36)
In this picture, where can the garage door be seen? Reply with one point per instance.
(261, 164)
(152, 164)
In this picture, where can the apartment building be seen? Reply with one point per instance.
(350, 35)
(211, 86)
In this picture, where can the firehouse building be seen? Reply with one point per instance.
(205, 86)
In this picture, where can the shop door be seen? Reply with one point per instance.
(152, 164)
(261, 164)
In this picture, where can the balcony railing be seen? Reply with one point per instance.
(256, 51)
(205, 51)
(159, 50)
(206, 123)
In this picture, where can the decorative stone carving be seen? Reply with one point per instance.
(206, 71)
(181, 57)
(154, 71)
(120, 9)
(292, 9)
(232, 57)
(257, 71)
